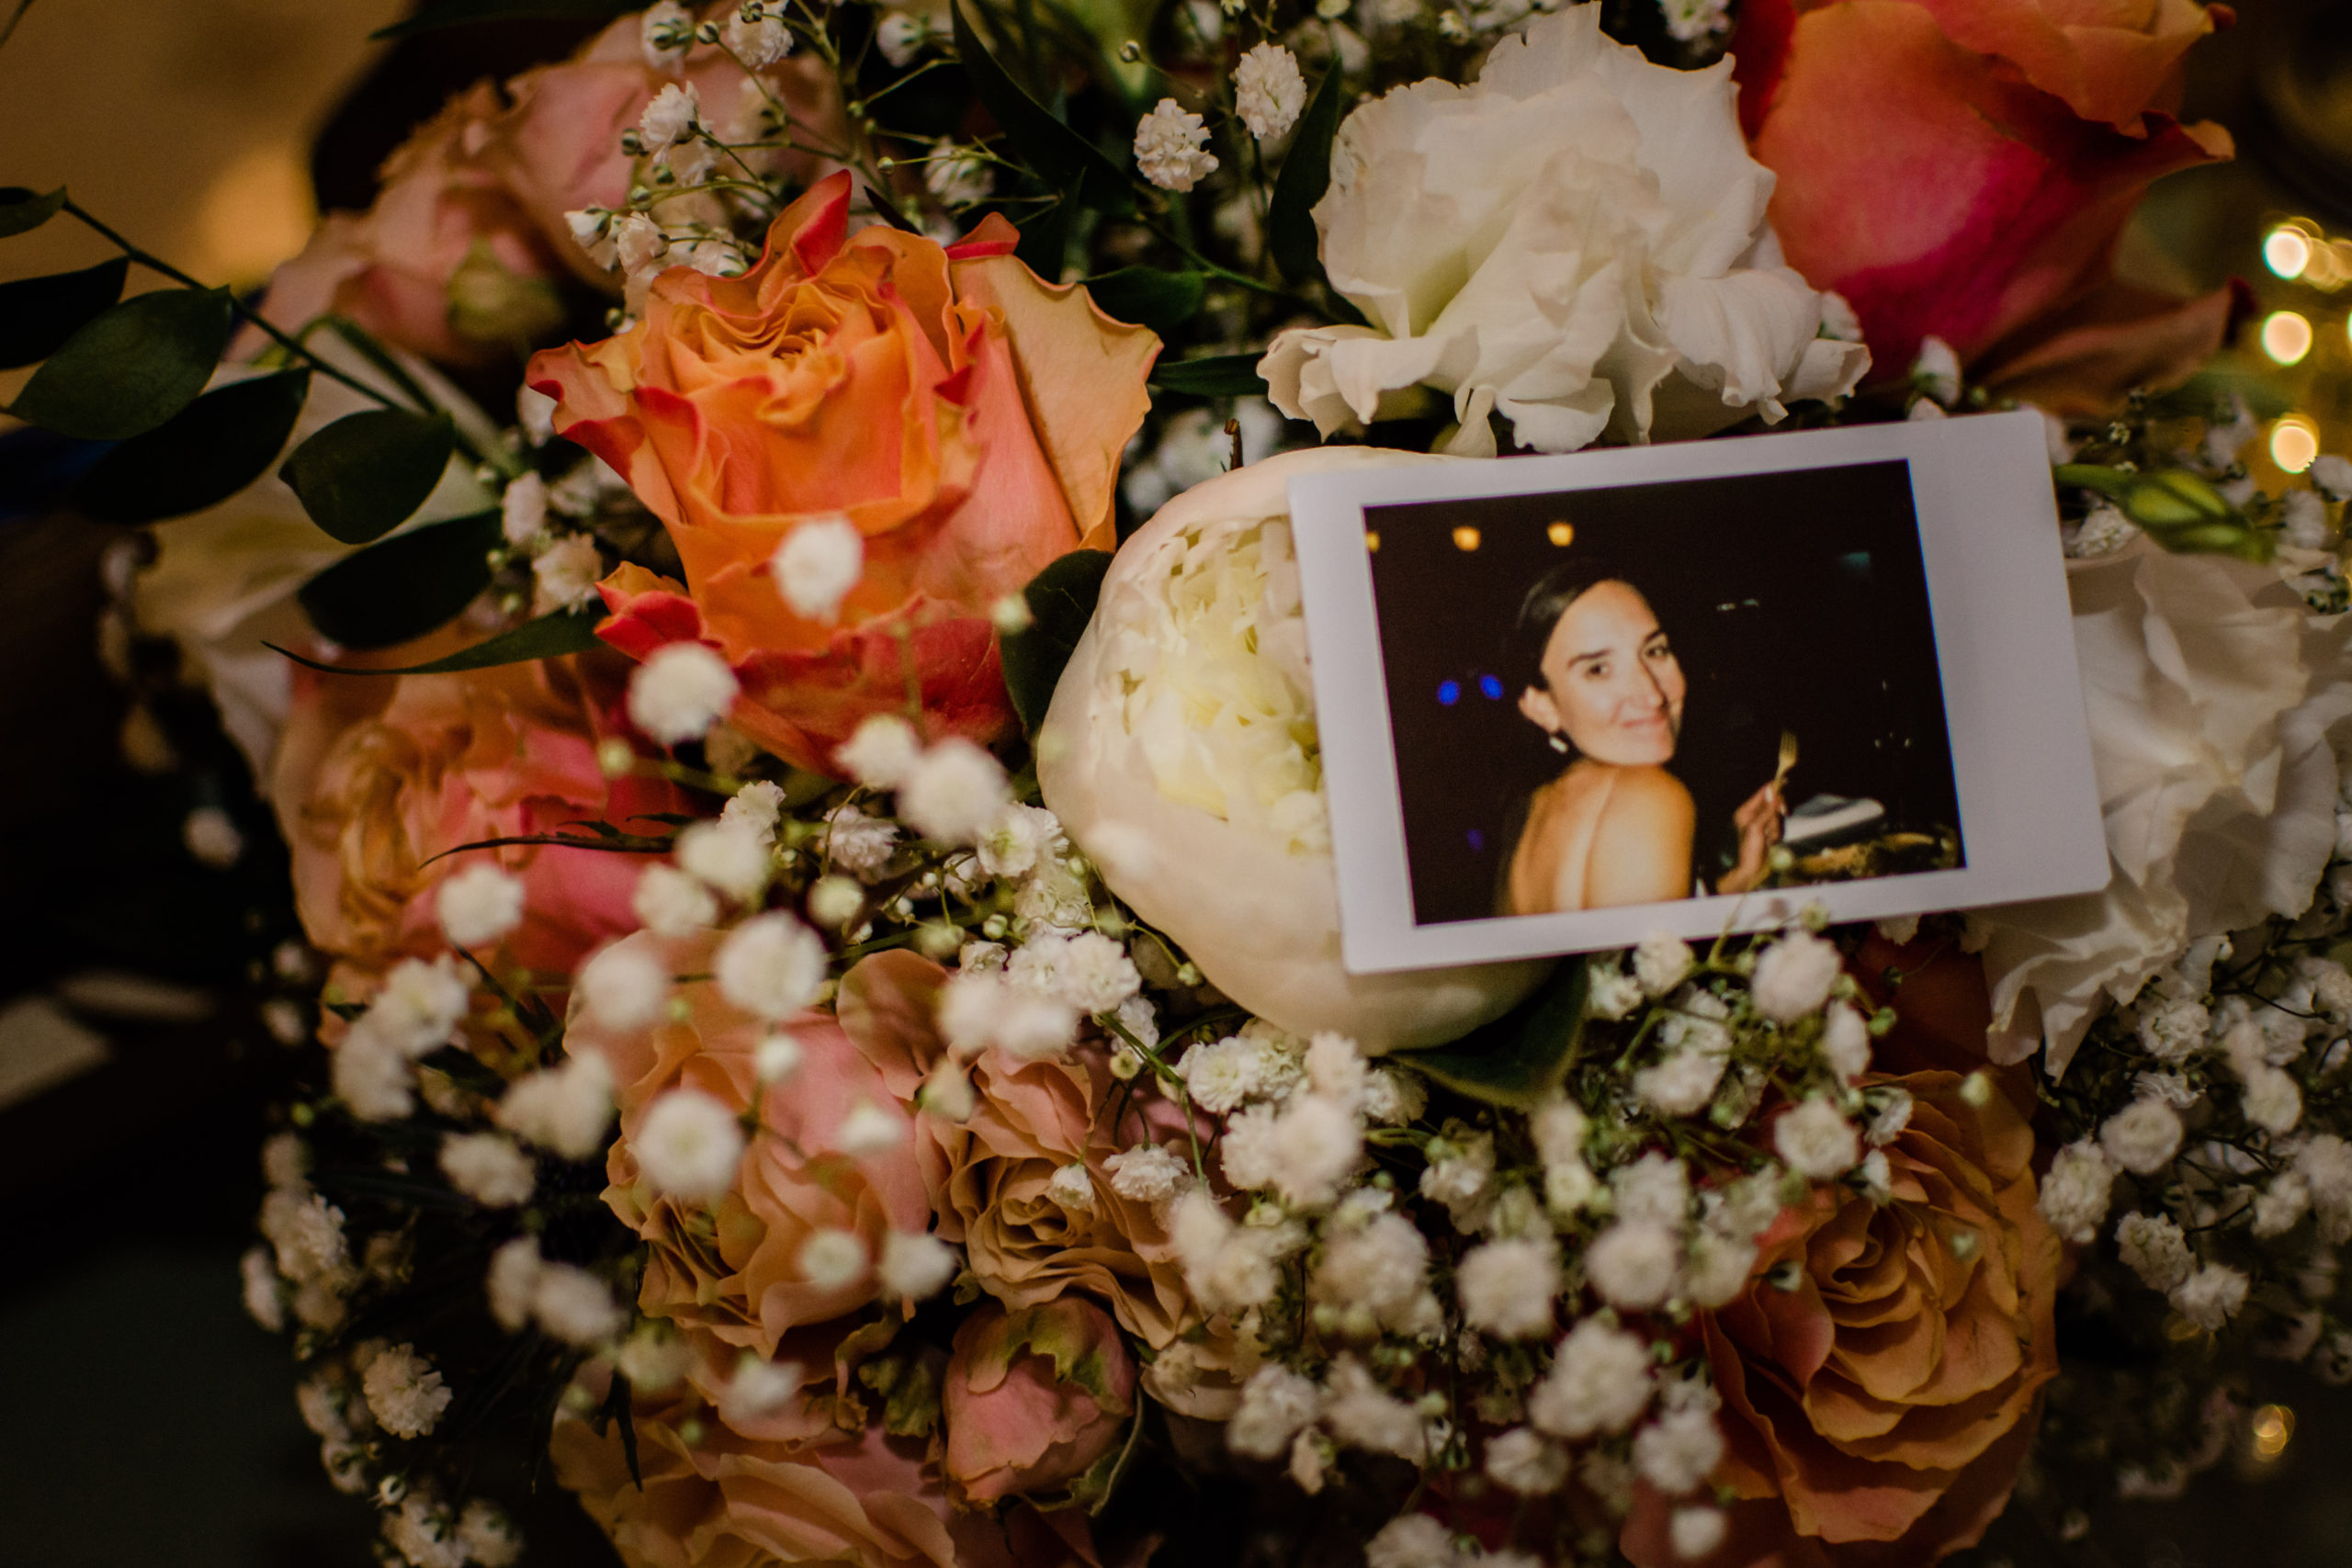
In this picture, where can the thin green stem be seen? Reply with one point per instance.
(156, 263)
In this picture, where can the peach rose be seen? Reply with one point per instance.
(726, 1500)
(558, 148)
(733, 1267)
(1035, 1398)
(1961, 169)
(988, 1174)
(967, 419)
(376, 776)
(446, 264)
(1878, 1413)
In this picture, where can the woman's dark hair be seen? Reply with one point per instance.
(1540, 613)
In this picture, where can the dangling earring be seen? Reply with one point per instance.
(1557, 742)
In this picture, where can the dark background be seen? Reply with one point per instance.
(1794, 601)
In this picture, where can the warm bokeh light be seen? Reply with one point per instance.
(1371, 540)
(2286, 336)
(1561, 533)
(2294, 442)
(1466, 537)
(257, 213)
(2271, 1429)
(2286, 250)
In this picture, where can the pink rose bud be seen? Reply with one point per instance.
(1036, 1398)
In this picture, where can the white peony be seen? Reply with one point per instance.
(1576, 242)
(2215, 701)
(1180, 752)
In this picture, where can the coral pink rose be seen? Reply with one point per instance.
(1877, 1415)
(1033, 1398)
(733, 1267)
(964, 417)
(446, 264)
(726, 1500)
(558, 148)
(1961, 169)
(989, 1177)
(376, 776)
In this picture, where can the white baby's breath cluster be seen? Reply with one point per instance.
(2211, 1162)
(1540, 1256)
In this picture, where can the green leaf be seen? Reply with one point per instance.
(438, 14)
(37, 314)
(1305, 173)
(1061, 601)
(1522, 1056)
(1148, 297)
(22, 210)
(1059, 156)
(367, 473)
(405, 586)
(132, 369)
(200, 456)
(549, 637)
(1217, 375)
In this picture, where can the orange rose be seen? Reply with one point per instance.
(446, 264)
(967, 418)
(1877, 1412)
(733, 1267)
(1961, 169)
(377, 776)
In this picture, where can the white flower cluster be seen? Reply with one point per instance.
(2212, 1153)
(1573, 1223)
(306, 1267)
(414, 1013)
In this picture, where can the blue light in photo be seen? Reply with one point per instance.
(1449, 692)
(1478, 840)
(1492, 686)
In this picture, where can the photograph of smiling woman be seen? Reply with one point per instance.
(1598, 674)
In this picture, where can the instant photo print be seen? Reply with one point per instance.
(1568, 702)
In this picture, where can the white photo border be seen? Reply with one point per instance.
(2012, 694)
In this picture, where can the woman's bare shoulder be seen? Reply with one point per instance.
(1641, 840)
(1648, 794)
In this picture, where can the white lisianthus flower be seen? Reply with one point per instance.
(2215, 705)
(1577, 243)
(1185, 722)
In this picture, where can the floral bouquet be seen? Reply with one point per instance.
(821, 921)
